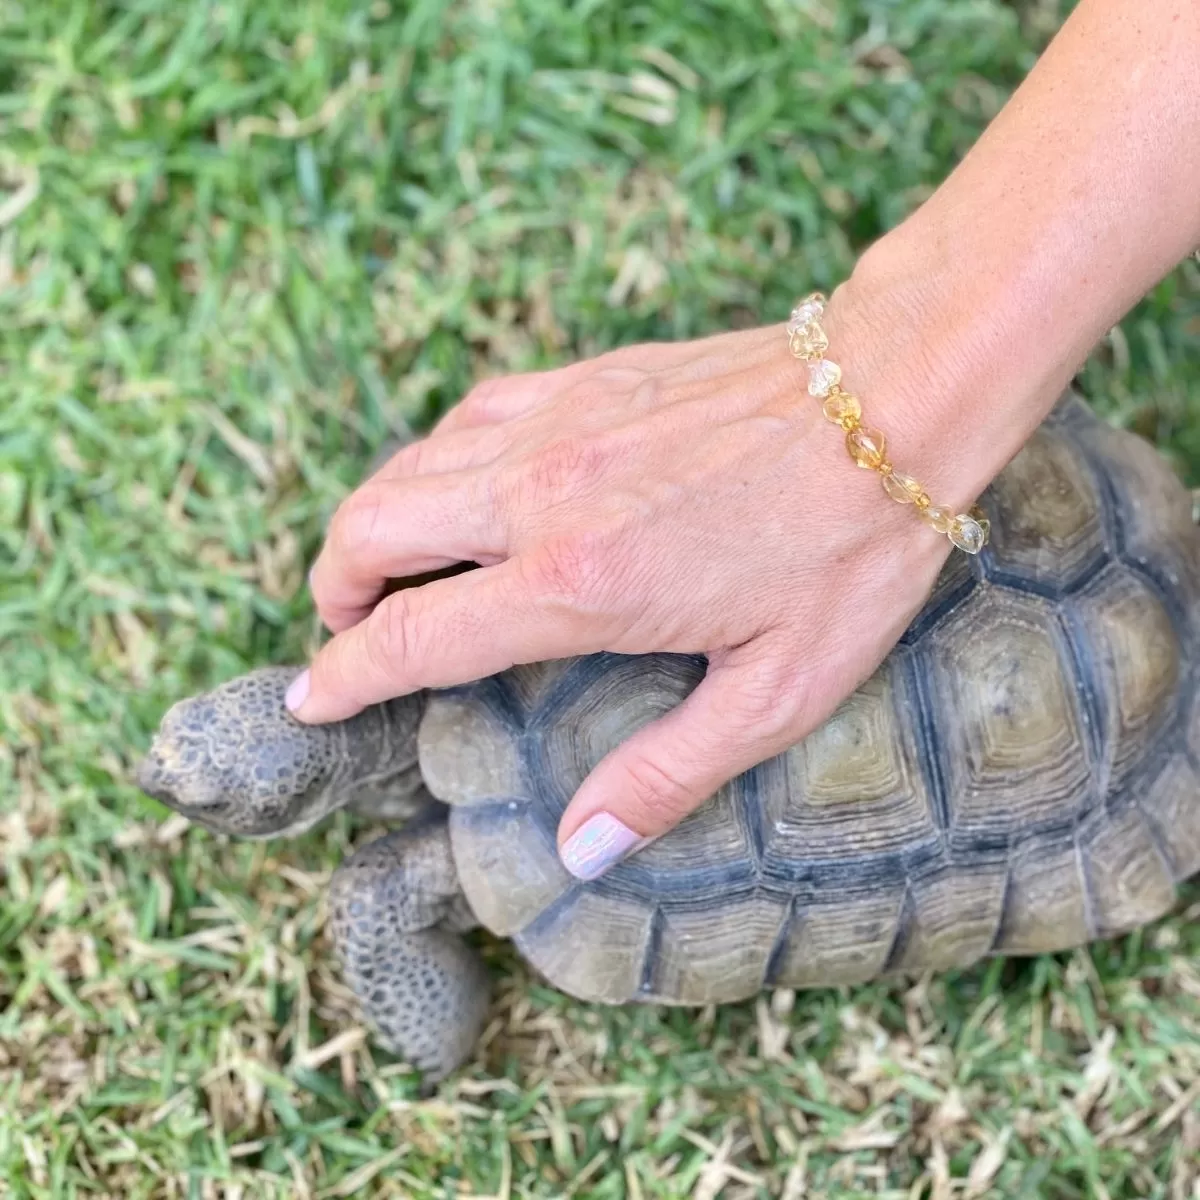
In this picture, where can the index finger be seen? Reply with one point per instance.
(443, 633)
(393, 528)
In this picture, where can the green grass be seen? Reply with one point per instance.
(241, 241)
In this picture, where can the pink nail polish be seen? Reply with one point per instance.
(297, 693)
(599, 843)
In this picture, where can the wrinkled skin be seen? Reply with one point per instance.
(234, 760)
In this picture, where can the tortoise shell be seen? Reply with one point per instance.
(1022, 774)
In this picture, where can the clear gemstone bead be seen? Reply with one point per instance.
(842, 407)
(904, 489)
(802, 316)
(823, 375)
(809, 309)
(967, 534)
(866, 447)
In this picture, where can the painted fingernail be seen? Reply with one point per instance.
(297, 693)
(598, 844)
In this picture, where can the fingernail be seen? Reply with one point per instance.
(297, 693)
(599, 843)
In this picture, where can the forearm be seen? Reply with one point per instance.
(1081, 195)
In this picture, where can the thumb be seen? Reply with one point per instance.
(749, 707)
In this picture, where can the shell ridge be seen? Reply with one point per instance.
(932, 614)
(496, 694)
(1110, 504)
(914, 685)
(1005, 907)
(1030, 581)
(548, 915)
(1069, 411)
(1090, 698)
(564, 689)
(779, 946)
(1161, 834)
(1166, 595)
(1085, 887)
(906, 921)
(580, 675)
(1155, 836)
(500, 698)
(750, 812)
(650, 955)
(1144, 569)
(1025, 585)
(1191, 753)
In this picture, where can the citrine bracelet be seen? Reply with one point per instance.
(868, 448)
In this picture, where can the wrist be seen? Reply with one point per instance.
(946, 361)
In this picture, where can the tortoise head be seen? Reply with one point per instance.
(235, 761)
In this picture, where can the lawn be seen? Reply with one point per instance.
(239, 243)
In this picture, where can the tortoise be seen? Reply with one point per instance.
(1021, 775)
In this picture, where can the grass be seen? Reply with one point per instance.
(239, 242)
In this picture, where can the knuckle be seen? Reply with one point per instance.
(567, 466)
(355, 524)
(656, 791)
(612, 375)
(413, 459)
(632, 357)
(480, 403)
(572, 568)
(390, 635)
(768, 697)
(649, 392)
(332, 673)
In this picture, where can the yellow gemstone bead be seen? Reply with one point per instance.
(809, 341)
(904, 489)
(842, 407)
(867, 447)
(939, 517)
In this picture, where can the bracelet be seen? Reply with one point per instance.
(808, 342)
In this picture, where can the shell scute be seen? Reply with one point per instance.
(853, 787)
(846, 941)
(1047, 517)
(1045, 905)
(1003, 702)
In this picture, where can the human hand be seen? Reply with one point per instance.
(691, 498)
(686, 498)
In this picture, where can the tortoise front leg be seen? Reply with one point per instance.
(395, 912)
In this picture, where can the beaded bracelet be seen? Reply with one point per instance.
(808, 342)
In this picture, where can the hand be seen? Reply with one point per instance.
(691, 498)
(686, 498)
